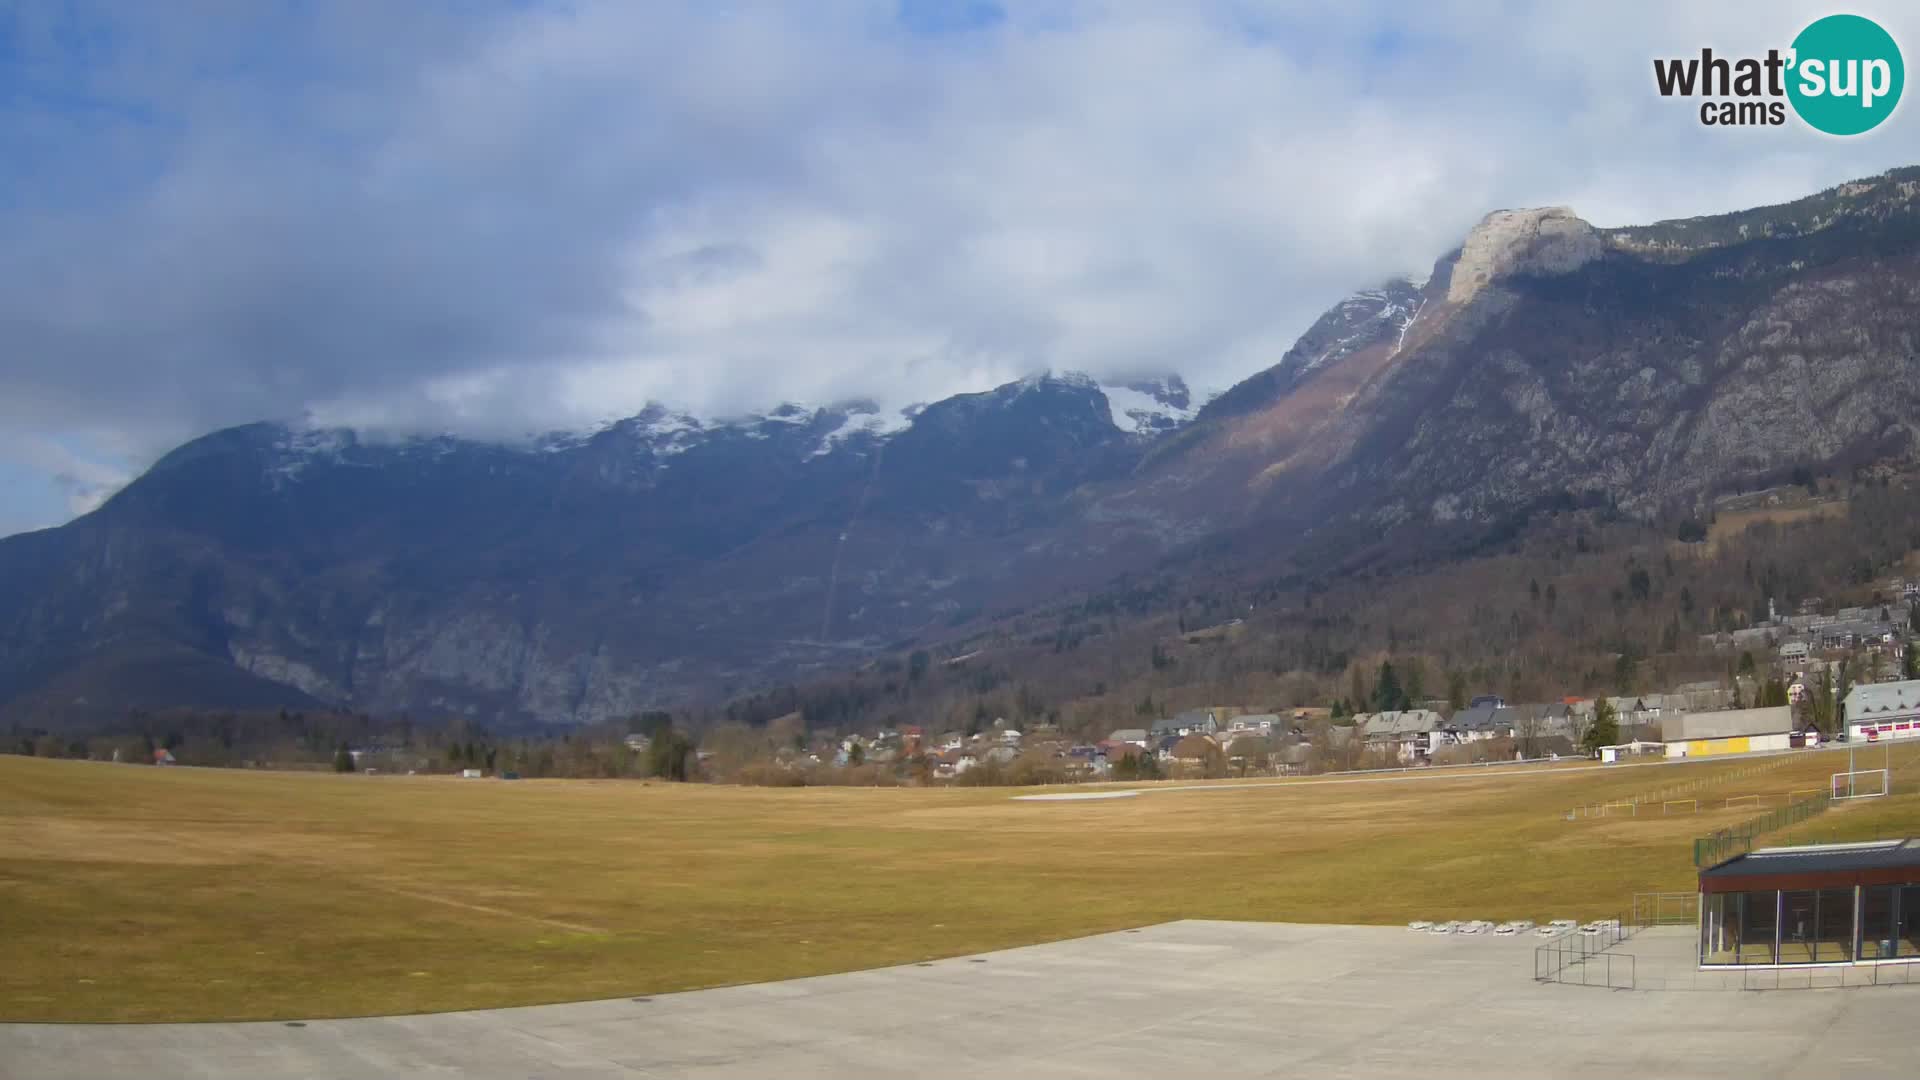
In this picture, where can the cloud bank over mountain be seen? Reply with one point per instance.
(543, 215)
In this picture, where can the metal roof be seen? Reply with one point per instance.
(1820, 859)
(1868, 700)
(1726, 723)
(1481, 718)
(1408, 722)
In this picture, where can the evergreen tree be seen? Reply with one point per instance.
(343, 759)
(1605, 729)
(1416, 681)
(1773, 694)
(668, 754)
(1820, 705)
(1387, 694)
(1910, 663)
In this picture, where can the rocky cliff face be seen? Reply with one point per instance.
(665, 558)
(579, 578)
(1590, 369)
(1374, 319)
(1549, 362)
(1512, 243)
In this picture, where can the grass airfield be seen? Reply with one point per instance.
(133, 893)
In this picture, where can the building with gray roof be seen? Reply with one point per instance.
(1888, 710)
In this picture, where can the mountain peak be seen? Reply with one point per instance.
(1538, 240)
(1375, 316)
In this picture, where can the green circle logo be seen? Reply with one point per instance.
(1846, 75)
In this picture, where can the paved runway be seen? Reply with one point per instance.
(1182, 999)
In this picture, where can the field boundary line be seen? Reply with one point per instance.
(467, 905)
(1516, 770)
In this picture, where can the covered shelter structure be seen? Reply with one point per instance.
(1824, 904)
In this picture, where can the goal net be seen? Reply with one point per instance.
(1860, 784)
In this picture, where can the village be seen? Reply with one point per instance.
(1802, 680)
(1796, 681)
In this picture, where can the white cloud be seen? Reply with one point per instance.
(79, 482)
(556, 213)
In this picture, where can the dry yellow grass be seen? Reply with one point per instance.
(1732, 523)
(132, 893)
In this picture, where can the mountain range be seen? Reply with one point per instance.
(666, 559)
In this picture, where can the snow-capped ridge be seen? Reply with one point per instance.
(660, 432)
(1151, 406)
(863, 417)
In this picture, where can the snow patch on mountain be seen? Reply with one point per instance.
(1356, 322)
(867, 418)
(300, 446)
(1148, 407)
(659, 433)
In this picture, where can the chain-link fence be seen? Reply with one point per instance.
(1723, 844)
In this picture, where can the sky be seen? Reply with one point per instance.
(500, 218)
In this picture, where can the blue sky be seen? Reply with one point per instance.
(498, 218)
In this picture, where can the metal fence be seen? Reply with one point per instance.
(1723, 844)
(1630, 806)
(1831, 975)
(1671, 975)
(1580, 956)
(1666, 909)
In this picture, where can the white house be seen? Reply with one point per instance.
(1888, 710)
(1410, 733)
(1254, 724)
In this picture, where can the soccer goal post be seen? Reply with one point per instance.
(1742, 800)
(1677, 806)
(1860, 783)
